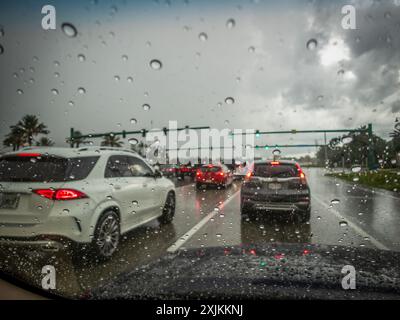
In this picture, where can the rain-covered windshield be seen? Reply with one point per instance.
(169, 113)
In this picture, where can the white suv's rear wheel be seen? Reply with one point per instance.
(106, 236)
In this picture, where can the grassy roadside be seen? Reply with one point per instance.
(384, 179)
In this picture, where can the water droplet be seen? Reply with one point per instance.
(347, 139)
(312, 44)
(229, 100)
(116, 78)
(1, 49)
(125, 57)
(71, 103)
(135, 203)
(356, 169)
(252, 49)
(54, 91)
(69, 30)
(146, 107)
(155, 64)
(65, 211)
(133, 121)
(133, 141)
(129, 79)
(276, 152)
(203, 36)
(218, 235)
(335, 201)
(230, 23)
(19, 91)
(81, 57)
(81, 90)
(343, 223)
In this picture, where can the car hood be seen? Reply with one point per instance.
(273, 271)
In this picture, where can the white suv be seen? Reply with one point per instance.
(88, 195)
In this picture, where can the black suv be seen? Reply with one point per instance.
(276, 186)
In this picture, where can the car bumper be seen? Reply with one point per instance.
(46, 245)
(277, 206)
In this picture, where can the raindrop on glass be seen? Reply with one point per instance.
(343, 223)
(203, 36)
(69, 30)
(133, 141)
(81, 57)
(81, 90)
(229, 100)
(155, 64)
(230, 23)
(312, 44)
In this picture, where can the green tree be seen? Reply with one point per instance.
(353, 148)
(45, 142)
(76, 139)
(15, 138)
(111, 141)
(31, 127)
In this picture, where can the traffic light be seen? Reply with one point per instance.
(257, 133)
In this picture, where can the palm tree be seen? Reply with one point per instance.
(15, 138)
(45, 142)
(76, 139)
(111, 141)
(31, 127)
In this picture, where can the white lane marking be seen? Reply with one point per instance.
(351, 224)
(183, 239)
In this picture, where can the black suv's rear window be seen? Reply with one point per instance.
(45, 168)
(267, 170)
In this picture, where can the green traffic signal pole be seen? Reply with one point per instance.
(371, 154)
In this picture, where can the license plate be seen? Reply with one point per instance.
(8, 201)
(275, 186)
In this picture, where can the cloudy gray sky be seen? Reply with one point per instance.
(350, 79)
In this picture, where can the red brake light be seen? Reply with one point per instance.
(60, 194)
(30, 155)
(300, 171)
(46, 193)
(69, 194)
(221, 173)
(275, 163)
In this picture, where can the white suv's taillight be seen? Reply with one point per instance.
(60, 194)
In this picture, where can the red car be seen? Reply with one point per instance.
(218, 175)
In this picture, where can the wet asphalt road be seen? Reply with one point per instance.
(360, 217)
